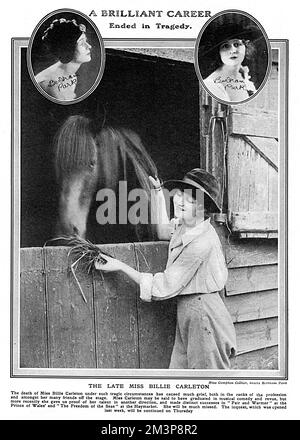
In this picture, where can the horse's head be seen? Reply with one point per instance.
(75, 150)
(75, 162)
(86, 162)
(123, 158)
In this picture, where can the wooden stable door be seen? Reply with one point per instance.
(239, 145)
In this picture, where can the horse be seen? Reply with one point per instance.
(87, 159)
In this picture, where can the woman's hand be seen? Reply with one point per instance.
(114, 265)
(111, 265)
(155, 182)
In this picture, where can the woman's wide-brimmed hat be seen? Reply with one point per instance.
(198, 179)
(227, 27)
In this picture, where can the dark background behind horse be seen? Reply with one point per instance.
(157, 98)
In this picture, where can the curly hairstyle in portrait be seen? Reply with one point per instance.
(61, 38)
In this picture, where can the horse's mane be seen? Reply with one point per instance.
(120, 153)
(74, 148)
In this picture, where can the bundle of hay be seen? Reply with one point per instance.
(84, 252)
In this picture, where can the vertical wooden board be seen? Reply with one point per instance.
(157, 320)
(254, 335)
(268, 148)
(33, 323)
(234, 164)
(252, 279)
(253, 178)
(258, 200)
(116, 313)
(245, 170)
(253, 306)
(273, 189)
(70, 319)
(263, 359)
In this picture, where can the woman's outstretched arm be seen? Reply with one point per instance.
(114, 265)
(159, 211)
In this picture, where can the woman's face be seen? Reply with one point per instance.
(232, 52)
(83, 50)
(186, 208)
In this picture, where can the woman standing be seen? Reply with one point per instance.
(195, 273)
(67, 41)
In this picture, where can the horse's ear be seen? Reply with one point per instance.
(97, 122)
(95, 126)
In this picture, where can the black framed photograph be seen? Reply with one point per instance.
(232, 57)
(66, 56)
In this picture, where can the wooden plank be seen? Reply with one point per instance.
(157, 320)
(258, 183)
(252, 279)
(249, 185)
(252, 306)
(258, 123)
(253, 180)
(266, 147)
(233, 164)
(273, 189)
(252, 221)
(264, 359)
(254, 335)
(241, 253)
(33, 322)
(71, 320)
(246, 165)
(116, 313)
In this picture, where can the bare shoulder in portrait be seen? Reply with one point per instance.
(66, 57)
(232, 57)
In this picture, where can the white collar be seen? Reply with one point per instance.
(194, 232)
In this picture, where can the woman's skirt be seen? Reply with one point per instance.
(205, 335)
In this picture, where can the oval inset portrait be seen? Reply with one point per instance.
(66, 56)
(232, 57)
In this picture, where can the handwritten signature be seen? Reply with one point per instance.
(63, 82)
(231, 83)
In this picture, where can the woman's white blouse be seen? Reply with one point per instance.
(217, 88)
(195, 264)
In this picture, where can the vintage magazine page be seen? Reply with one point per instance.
(149, 188)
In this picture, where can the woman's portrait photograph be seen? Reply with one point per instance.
(232, 57)
(66, 56)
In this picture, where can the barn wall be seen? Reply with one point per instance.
(115, 329)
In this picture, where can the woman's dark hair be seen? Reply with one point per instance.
(213, 60)
(61, 38)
